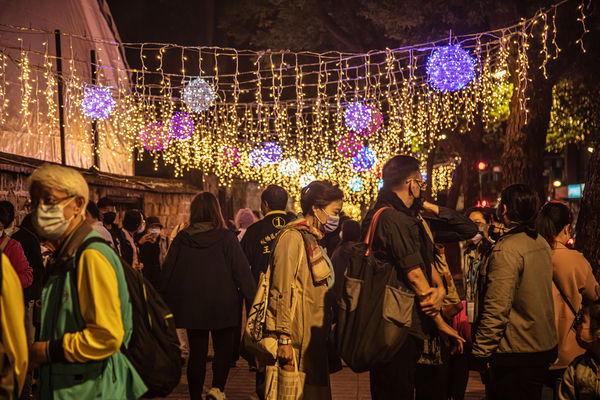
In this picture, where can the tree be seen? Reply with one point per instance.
(588, 223)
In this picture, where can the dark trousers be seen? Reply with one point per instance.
(223, 343)
(431, 382)
(516, 382)
(458, 374)
(396, 379)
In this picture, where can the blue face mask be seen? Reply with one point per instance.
(331, 223)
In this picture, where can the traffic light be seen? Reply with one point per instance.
(481, 165)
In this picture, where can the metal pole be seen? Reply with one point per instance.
(95, 140)
(61, 107)
(480, 186)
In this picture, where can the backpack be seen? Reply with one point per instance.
(375, 311)
(154, 346)
(8, 384)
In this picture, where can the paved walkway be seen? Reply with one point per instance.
(345, 385)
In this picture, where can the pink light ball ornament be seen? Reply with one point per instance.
(358, 116)
(154, 137)
(450, 68)
(364, 160)
(376, 123)
(97, 102)
(230, 156)
(349, 145)
(181, 126)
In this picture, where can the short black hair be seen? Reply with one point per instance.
(275, 196)
(105, 202)
(487, 215)
(132, 220)
(350, 231)
(521, 203)
(7, 213)
(92, 208)
(397, 170)
(319, 194)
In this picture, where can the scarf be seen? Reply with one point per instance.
(320, 265)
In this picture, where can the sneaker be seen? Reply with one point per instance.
(215, 394)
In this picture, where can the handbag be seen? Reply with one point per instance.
(375, 311)
(451, 304)
(284, 385)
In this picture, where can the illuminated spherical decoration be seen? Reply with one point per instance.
(306, 179)
(271, 152)
(289, 167)
(355, 184)
(375, 125)
(181, 126)
(380, 184)
(154, 137)
(358, 116)
(97, 102)
(230, 156)
(256, 158)
(364, 160)
(450, 68)
(198, 95)
(349, 145)
(324, 167)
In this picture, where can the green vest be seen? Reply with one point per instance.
(111, 378)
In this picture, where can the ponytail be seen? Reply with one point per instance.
(552, 218)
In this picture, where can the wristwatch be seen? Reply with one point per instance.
(284, 341)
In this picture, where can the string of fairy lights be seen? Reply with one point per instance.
(287, 117)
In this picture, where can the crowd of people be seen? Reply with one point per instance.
(529, 320)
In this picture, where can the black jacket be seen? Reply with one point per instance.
(30, 243)
(340, 260)
(401, 240)
(258, 240)
(203, 275)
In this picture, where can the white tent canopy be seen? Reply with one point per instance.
(29, 103)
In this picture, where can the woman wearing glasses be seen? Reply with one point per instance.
(574, 284)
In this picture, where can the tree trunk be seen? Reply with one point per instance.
(588, 233)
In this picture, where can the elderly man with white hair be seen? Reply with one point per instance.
(86, 310)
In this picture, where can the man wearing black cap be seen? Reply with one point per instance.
(153, 248)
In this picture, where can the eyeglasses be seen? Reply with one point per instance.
(422, 183)
(49, 201)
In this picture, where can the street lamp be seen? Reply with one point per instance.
(481, 166)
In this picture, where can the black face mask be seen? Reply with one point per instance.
(109, 218)
(494, 233)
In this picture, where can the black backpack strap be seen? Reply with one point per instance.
(565, 298)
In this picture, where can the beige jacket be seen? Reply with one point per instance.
(309, 328)
(517, 317)
(580, 380)
(573, 273)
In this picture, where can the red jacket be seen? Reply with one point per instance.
(15, 254)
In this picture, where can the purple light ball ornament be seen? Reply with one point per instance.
(450, 68)
(154, 137)
(358, 117)
(271, 153)
(256, 158)
(97, 102)
(349, 145)
(376, 123)
(181, 126)
(364, 160)
(230, 156)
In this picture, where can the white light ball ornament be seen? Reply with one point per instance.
(289, 167)
(306, 179)
(198, 95)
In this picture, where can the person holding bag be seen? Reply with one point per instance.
(302, 275)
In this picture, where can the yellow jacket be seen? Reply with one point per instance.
(13, 321)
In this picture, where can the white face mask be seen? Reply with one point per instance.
(49, 220)
(154, 231)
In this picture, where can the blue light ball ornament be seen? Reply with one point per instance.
(198, 95)
(355, 184)
(364, 160)
(450, 68)
(97, 102)
(380, 184)
(358, 117)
